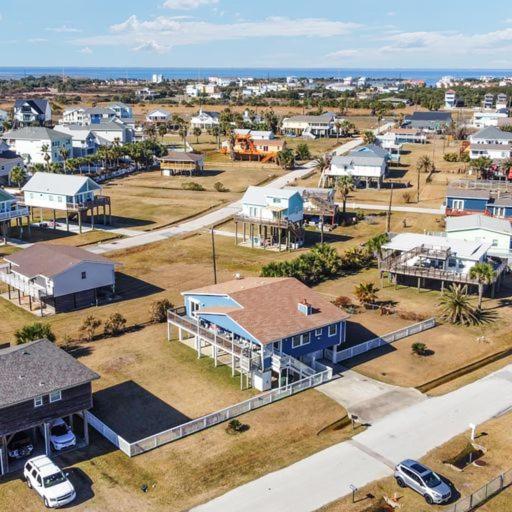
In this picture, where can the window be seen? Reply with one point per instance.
(495, 243)
(300, 340)
(458, 204)
(318, 332)
(55, 396)
(84, 275)
(38, 401)
(333, 329)
(50, 198)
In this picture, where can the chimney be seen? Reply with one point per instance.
(304, 307)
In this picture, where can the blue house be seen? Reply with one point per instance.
(463, 201)
(266, 325)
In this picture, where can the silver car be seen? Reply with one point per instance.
(410, 473)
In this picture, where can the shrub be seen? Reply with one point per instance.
(342, 302)
(33, 332)
(219, 187)
(419, 349)
(465, 158)
(302, 152)
(366, 293)
(451, 157)
(88, 328)
(411, 315)
(115, 325)
(158, 310)
(407, 197)
(192, 185)
(236, 427)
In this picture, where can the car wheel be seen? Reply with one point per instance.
(428, 499)
(46, 504)
(400, 482)
(29, 485)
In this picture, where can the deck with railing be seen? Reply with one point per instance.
(14, 214)
(34, 290)
(179, 318)
(278, 223)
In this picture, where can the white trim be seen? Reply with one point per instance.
(301, 339)
(38, 401)
(329, 330)
(52, 400)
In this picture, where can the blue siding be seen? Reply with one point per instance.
(317, 342)
(472, 204)
(209, 301)
(227, 323)
(295, 204)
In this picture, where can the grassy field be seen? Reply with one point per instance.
(494, 436)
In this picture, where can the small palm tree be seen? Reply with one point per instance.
(424, 164)
(345, 185)
(456, 307)
(374, 245)
(369, 137)
(286, 159)
(366, 293)
(484, 273)
(64, 154)
(197, 133)
(18, 175)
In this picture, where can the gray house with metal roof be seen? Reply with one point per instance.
(41, 383)
(432, 121)
(35, 110)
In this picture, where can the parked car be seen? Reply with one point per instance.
(20, 446)
(61, 435)
(423, 480)
(49, 482)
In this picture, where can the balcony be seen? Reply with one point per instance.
(279, 223)
(35, 290)
(14, 214)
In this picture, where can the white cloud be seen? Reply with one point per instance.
(151, 46)
(63, 29)
(187, 4)
(86, 50)
(166, 32)
(344, 54)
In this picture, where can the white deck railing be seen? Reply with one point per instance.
(14, 214)
(34, 290)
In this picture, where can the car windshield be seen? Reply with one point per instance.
(59, 430)
(431, 479)
(55, 479)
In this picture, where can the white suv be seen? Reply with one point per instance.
(49, 481)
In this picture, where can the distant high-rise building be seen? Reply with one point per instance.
(157, 78)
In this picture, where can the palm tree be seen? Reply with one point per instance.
(481, 165)
(374, 245)
(18, 175)
(286, 159)
(456, 307)
(162, 130)
(64, 154)
(197, 133)
(369, 137)
(183, 132)
(424, 164)
(345, 185)
(322, 163)
(216, 133)
(484, 273)
(338, 125)
(366, 293)
(46, 155)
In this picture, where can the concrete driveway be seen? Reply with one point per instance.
(369, 399)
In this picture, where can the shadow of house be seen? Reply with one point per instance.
(130, 287)
(133, 412)
(130, 222)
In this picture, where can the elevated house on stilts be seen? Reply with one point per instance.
(79, 198)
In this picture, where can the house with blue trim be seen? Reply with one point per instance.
(271, 218)
(260, 321)
(465, 200)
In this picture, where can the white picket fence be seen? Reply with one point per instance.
(381, 341)
(191, 427)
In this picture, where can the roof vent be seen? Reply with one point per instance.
(238, 276)
(305, 307)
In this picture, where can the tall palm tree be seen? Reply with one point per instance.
(345, 185)
(64, 154)
(322, 163)
(484, 273)
(424, 164)
(17, 175)
(286, 159)
(45, 149)
(374, 245)
(456, 307)
(183, 132)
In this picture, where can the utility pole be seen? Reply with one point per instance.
(214, 257)
(418, 193)
(388, 218)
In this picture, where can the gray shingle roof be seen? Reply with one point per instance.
(431, 116)
(38, 368)
(34, 133)
(492, 133)
(467, 193)
(38, 104)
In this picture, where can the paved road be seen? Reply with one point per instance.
(369, 399)
(407, 209)
(410, 432)
(215, 217)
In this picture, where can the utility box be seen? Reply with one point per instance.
(262, 381)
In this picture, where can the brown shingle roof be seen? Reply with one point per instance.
(177, 156)
(269, 306)
(50, 259)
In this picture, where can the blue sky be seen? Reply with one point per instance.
(262, 33)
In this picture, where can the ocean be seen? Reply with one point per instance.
(429, 75)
